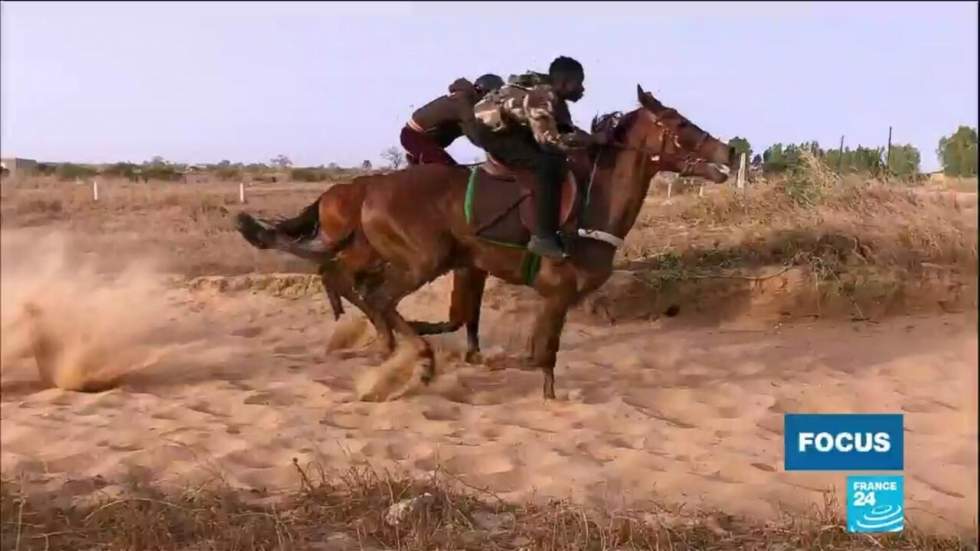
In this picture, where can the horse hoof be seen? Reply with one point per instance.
(474, 357)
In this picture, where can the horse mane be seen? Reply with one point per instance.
(615, 122)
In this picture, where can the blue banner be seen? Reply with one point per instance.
(844, 442)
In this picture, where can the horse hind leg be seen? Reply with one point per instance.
(336, 286)
(458, 310)
(464, 309)
(385, 297)
(330, 287)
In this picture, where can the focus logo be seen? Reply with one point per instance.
(843, 442)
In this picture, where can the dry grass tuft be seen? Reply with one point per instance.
(351, 510)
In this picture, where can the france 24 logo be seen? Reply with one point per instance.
(844, 442)
(875, 504)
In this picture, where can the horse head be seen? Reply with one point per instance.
(673, 142)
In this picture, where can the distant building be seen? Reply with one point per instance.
(15, 167)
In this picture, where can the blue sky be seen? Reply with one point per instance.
(330, 82)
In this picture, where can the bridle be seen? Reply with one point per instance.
(689, 161)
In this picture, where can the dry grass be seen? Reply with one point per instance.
(858, 240)
(188, 226)
(962, 185)
(810, 218)
(810, 213)
(348, 511)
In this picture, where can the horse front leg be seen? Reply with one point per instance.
(547, 338)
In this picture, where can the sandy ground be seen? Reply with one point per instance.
(241, 384)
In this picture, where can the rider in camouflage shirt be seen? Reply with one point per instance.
(526, 124)
(529, 100)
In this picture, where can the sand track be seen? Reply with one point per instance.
(648, 410)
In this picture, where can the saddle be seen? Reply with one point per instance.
(500, 203)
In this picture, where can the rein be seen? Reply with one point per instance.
(690, 161)
(597, 235)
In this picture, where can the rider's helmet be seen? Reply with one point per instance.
(488, 83)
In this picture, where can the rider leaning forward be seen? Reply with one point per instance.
(526, 124)
(437, 124)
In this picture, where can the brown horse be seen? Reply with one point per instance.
(417, 224)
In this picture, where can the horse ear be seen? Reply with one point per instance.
(647, 100)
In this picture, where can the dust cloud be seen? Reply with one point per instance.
(82, 328)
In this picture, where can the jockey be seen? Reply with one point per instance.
(526, 124)
(437, 124)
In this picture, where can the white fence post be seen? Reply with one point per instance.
(241, 192)
(95, 190)
(740, 179)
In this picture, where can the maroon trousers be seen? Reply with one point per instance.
(422, 149)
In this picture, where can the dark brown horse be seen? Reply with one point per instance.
(415, 225)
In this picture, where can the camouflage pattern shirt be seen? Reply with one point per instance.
(528, 100)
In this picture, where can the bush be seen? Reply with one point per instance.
(228, 173)
(69, 171)
(123, 170)
(308, 174)
(904, 161)
(162, 172)
(808, 180)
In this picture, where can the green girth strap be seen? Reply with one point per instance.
(530, 263)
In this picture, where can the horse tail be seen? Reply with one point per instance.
(305, 225)
(298, 236)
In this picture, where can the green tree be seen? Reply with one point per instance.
(394, 157)
(863, 160)
(772, 159)
(281, 161)
(741, 145)
(779, 158)
(958, 152)
(867, 160)
(904, 161)
(833, 159)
